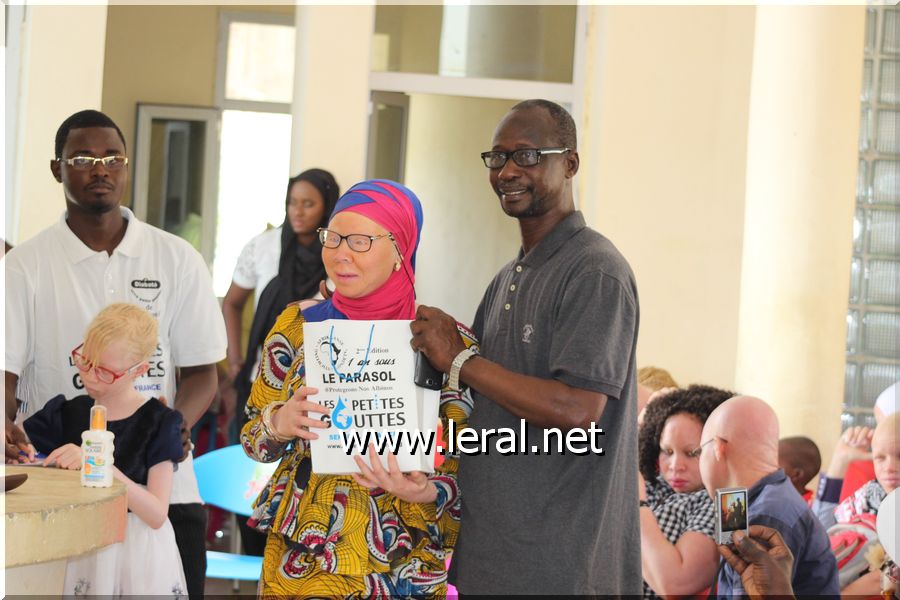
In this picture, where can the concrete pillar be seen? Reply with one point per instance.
(331, 90)
(801, 177)
(53, 84)
(663, 142)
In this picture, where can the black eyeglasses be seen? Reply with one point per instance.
(358, 242)
(524, 157)
(85, 163)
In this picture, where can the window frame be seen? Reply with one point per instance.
(852, 411)
(226, 18)
(496, 88)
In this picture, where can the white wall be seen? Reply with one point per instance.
(13, 22)
(801, 188)
(719, 154)
(331, 90)
(663, 160)
(51, 89)
(466, 237)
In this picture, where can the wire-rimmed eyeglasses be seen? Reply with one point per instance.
(524, 157)
(699, 449)
(86, 163)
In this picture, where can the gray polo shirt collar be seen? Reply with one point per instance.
(553, 241)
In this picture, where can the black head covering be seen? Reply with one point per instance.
(300, 270)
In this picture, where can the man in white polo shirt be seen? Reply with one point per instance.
(99, 253)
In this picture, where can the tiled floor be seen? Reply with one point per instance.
(224, 525)
(222, 587)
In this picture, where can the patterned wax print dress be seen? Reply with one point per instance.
(329, 536)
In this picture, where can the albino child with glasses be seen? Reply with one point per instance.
(114, 354)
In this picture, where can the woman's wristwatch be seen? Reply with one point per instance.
(456, 367)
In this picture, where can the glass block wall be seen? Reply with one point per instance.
(873, 319)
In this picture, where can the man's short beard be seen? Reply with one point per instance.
(94, 209)
(535, 209)
(101, 209)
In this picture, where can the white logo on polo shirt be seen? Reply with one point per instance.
(527, 332)
(147, 292)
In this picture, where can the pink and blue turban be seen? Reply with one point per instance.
(397, 209)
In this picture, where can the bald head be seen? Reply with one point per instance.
(887, 429)
(749, 421)
(745, 446)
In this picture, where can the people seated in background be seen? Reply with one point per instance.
(801, 461)
(860, 509)
(861, 470)
(652, 379)
(115, 353)
(740, 449)
(678, 551)
(854, 446)
(762, 560)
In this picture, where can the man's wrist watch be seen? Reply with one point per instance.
(456, 367)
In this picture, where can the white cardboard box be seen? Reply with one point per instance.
(364, 373)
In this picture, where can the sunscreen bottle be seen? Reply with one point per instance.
(97, 451)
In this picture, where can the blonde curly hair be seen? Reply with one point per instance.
(123, 322)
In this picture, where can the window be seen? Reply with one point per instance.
(254, 161)
(250, 72)
(254, 86)
(873, 319)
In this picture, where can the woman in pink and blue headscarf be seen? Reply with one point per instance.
(381, 533)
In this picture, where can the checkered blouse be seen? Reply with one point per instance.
(678, 513)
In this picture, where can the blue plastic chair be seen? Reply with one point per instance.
(230, 480)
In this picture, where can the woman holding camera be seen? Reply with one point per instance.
(678, 551)
(380, 533)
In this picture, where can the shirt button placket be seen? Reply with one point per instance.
(110, 288)
(512, 288)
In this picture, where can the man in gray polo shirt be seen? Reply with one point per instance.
(558, 330)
